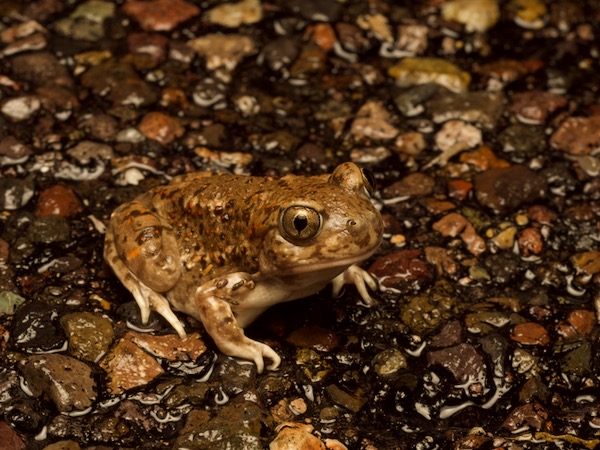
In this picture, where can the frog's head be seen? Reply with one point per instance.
(324, 224)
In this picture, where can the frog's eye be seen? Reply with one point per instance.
(300, 223)
(369, 181)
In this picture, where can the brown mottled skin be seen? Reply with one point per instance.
(223, 248)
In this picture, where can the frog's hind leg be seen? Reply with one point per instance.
(145, 243)
(142, 251)
(146, 299)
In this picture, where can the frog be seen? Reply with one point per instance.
(222, 248)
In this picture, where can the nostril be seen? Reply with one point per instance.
(351, 223)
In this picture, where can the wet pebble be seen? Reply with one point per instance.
(505, 239)
(411, 102)
(463, 361)
(532, 416)
(89, 335)
(351, 401)
(10, 438)
(280, 53)
(323, 35)
(317, 10)
(196, 394)
(170, 347)
(582, 321)
(311, 60)
(417, 71)
(152, 45)
(506, 189)
(484, 108)
(235, 426)
(102, 127)
(119, 83)
(223, 51)
(21, 108)
(412, 40)
(35, 328)
(13, 151)
(59, 200)
(411, 143)
(41, 69)
(530, 333)
(454, 224)
(425, 312)
(475, 15)
(534, 107)
(128, 366)
(577, 135)
(68, 382)
(529, 14)
(498, 74)
(161, 127)
(454, 136)
(578, 361)
(160, 15)
(87, 21)
(296, 435)
(378, 25)
(389, 362)
(9, 301)
(15, 193)
(406, 269)
(373, 122)
(459, 189)
(63, 445)
(233, 15)
(449, 336)
(530, 242)
(415, 184)
(352, 38)
(49, 230)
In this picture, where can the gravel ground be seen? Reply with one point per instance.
(481, 123)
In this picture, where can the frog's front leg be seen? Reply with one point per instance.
(358, 277)
(212, 305)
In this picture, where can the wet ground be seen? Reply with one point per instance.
(481, 123)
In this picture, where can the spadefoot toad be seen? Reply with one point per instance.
(223, 248)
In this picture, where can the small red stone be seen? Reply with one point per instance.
(321, 34)
(59, 200)
(530, 242)
(160, 15)
(582, 320)
(530, 333)
(402, 269)
(541, 214)
(459, 189)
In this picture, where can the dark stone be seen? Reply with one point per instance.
(35, 328)
(449, 335)
(506, 189)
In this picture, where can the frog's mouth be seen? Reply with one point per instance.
(324, 267)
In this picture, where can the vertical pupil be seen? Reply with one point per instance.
(300, 223)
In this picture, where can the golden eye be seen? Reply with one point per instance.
(369, 181)
(300, 223)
